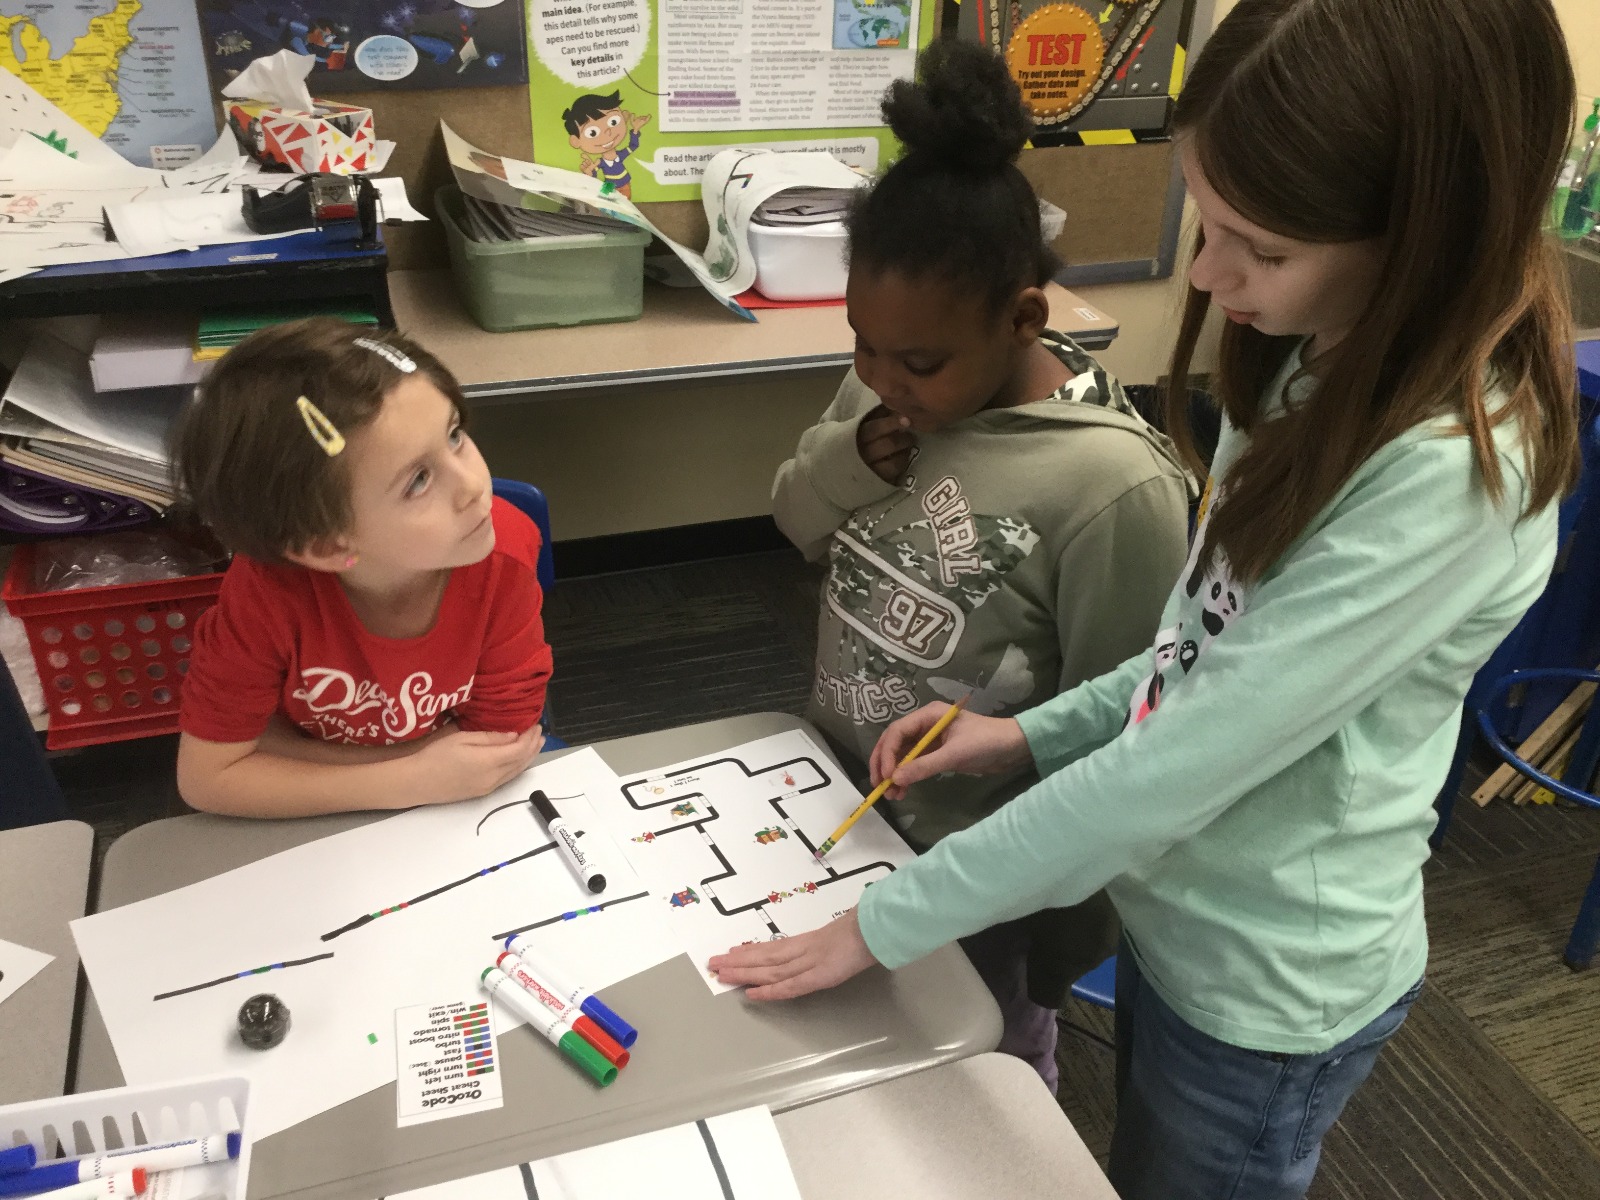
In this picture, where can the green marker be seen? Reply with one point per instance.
(556, 1029)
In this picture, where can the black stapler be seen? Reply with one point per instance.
(316, 201)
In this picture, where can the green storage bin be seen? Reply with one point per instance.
(578, 280)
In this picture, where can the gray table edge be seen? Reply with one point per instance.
(53, 863)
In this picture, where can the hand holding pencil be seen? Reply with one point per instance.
(887, 781)
(971, 744)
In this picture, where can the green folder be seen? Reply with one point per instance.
(229, 327)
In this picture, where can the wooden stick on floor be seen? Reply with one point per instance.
(1566, 716)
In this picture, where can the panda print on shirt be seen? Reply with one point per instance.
(1147, 695)
(1221, 599)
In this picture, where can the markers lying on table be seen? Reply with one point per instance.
(566, 841)
(574, 1016)
(582, 997)
(17, 1158)
(556, 1030)
(876, 794)
(128, 1183)
(166, 1156)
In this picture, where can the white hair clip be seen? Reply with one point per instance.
(396, 359)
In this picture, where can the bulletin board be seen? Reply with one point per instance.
(1120, 186)
(642, 93)
(1100, 78)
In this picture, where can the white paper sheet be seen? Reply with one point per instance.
(396, 204)
(726, 842)
(18, 964)
(447, 1064)
(738, 1154)
(53, 382)
(24, 112)
(31, 162)
(348, 929)
(163, 224)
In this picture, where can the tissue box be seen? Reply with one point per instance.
(332, 137)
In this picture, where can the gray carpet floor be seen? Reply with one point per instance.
(1490, 1091)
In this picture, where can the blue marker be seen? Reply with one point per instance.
(588, 1003)
(167, 1156)
(17, 1158)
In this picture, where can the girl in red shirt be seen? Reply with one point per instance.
(377, 642)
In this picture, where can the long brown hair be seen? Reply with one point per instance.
(1437, 126)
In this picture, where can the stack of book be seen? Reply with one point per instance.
(73, 458)
(804, 206)
(486, 221)
(84, 425)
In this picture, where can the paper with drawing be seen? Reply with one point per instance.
(349, 929)
(727, 841)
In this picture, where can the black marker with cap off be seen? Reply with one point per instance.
(567, 840)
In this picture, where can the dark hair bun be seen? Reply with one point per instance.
(964, 113)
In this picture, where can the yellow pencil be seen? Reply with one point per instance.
(876, 794)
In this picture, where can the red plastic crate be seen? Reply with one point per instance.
(111, 659)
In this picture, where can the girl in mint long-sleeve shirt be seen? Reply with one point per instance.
(1255, 792)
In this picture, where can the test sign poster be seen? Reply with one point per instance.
(639, 94)
(1090, 71)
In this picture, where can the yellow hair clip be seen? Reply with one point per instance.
(323, 430)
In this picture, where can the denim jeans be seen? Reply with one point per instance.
(1199, 1119)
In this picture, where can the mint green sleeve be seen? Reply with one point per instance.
(1413, 549)
(1112, 581)
(817, 490)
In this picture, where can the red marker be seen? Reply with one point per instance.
(581, 1024)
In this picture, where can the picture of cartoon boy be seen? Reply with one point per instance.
(597, 126)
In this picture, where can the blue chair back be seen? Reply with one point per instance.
(532, 502)
(1562, 629)
(1099, 986)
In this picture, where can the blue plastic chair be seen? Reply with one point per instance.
(1560, 631)
(1579, 953)
(1099, 986)
(530, 500)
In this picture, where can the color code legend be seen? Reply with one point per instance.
(446, 1061)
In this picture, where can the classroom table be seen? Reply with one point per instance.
(684, 335)
(44, 883)
(699, 1054)
(978, 1129)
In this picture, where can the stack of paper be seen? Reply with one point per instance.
(803, 206)
(488, 221)
(86, 203)
(54, 423)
